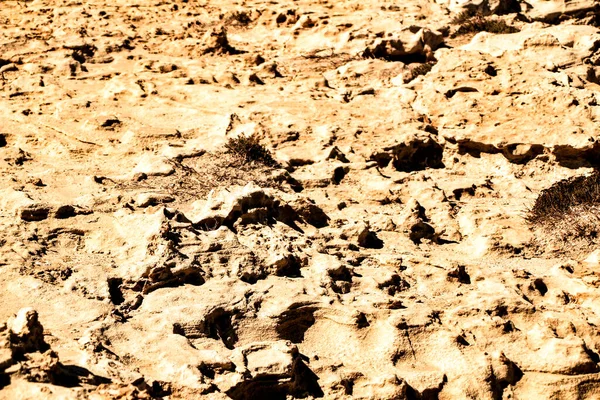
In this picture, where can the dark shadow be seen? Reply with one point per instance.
(570, 157)
(510, 154)
(445, 241)
(382, 52)
(421, 230)
(370, 240)
(463, 89)
(73, 375)
(303, 383)
(515, 374)
(593, 355)
(294, 322)
(418, 155)
(64, 212)
(540, 286)
(258, 390)
(114, 290)
(460, 274)
(306, 382)
(4, 380)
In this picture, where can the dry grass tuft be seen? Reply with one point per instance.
(568, 213)
(193, 178)
(421, 69)
(464, 16)
(249, 149)
(474, 22)
(242, 18)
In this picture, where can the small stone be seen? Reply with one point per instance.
(164, 69)
(36, 182)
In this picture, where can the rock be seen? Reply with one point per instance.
(417, 153)
(70, 68)
(505, 371)
(385, 386)
(166, 68)
(253, 59)
(6, 353)
(269, 70)
(567, 355)
(414, 41)
(266, 360)
(215, 41)
(369, 239)
(24, 352)
(562, 45)
(545, 10)
(304, 22)
(459, 274)
(8, 68)
(110, 123)
(391, 283)
(272, 369)
(332, 272)
(385, 252)
(362, 234)
(309, 212)
(41, 367)
(26, 333)
(226, 207)
(119, 391)
(17, 157)
(426, 384)
(414, 223)
(152, 165)
(151, 199)
(251, 205)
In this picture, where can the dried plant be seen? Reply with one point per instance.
(476, 22)
(250, 149)
(568, 212)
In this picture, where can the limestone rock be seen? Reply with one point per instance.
(251, 204)
(412, 41)
(551, 10)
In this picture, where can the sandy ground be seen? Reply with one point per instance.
(384, 255)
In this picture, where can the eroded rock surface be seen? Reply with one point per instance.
(380, 251)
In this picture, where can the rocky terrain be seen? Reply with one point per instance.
(298, 199)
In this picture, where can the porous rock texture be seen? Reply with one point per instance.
(384, 254)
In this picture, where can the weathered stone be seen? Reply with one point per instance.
(26, 333)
